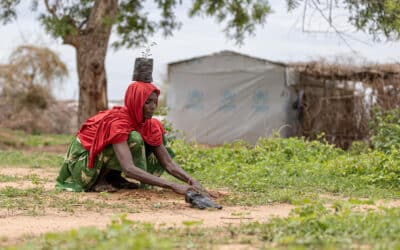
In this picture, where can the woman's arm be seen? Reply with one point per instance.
(172, 168)
(124, 157)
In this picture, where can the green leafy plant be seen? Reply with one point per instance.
(290, 170)
(385, 129)
(307, 227)
(146, 53)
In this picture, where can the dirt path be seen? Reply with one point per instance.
(159, 207)
(63, 211)
(17, 226)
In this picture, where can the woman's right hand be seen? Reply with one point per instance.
(180, 189)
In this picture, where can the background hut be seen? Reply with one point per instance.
(227, 96)
(337, 99)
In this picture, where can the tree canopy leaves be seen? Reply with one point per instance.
(134, 24)
(380, 18)
(376, 17)
(8, 10)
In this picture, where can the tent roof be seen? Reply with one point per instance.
(226, 52)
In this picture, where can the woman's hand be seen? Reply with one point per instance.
(197, 187)
(180, 189)
(195, 184)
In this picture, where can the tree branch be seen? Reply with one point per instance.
(71, 40)
(82, 23)
(304, 13)
(341, 36)
(51, 10)
(100, 12)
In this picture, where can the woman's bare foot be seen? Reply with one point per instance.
(104, 187)
(117, 181)
(101, 184)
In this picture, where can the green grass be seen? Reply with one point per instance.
(288, 170)
(34, 178)
(34, 201)
(276, 170)
(9, 178)
(33, 159)
(46, 140)
(17, 138)
(309, 227)
(315, 227)
(30, 201)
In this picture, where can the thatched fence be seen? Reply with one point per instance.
(336, 100)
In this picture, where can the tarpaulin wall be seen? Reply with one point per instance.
(222, 98)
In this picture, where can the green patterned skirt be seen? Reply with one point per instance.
(77, 177)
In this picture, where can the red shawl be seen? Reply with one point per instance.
(113, 126)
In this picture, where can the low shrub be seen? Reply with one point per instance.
(385, 129)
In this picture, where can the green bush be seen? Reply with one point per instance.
(284, 170)
(385, 129)
(307, 227)
(316, 227)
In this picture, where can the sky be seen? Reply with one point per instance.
(282, 38)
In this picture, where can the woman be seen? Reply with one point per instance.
(124, 139)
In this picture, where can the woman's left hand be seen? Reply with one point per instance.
(195, 184)
(197, 187)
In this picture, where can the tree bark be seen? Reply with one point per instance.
(91, 47)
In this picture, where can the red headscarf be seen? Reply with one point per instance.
(113, 126)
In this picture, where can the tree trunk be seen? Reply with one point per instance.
(92, 80)
(91, 48)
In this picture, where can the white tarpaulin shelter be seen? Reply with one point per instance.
(228, 96)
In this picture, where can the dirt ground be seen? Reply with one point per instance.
(160, 207)
(64, 211)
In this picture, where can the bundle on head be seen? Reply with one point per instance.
(143, 70)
